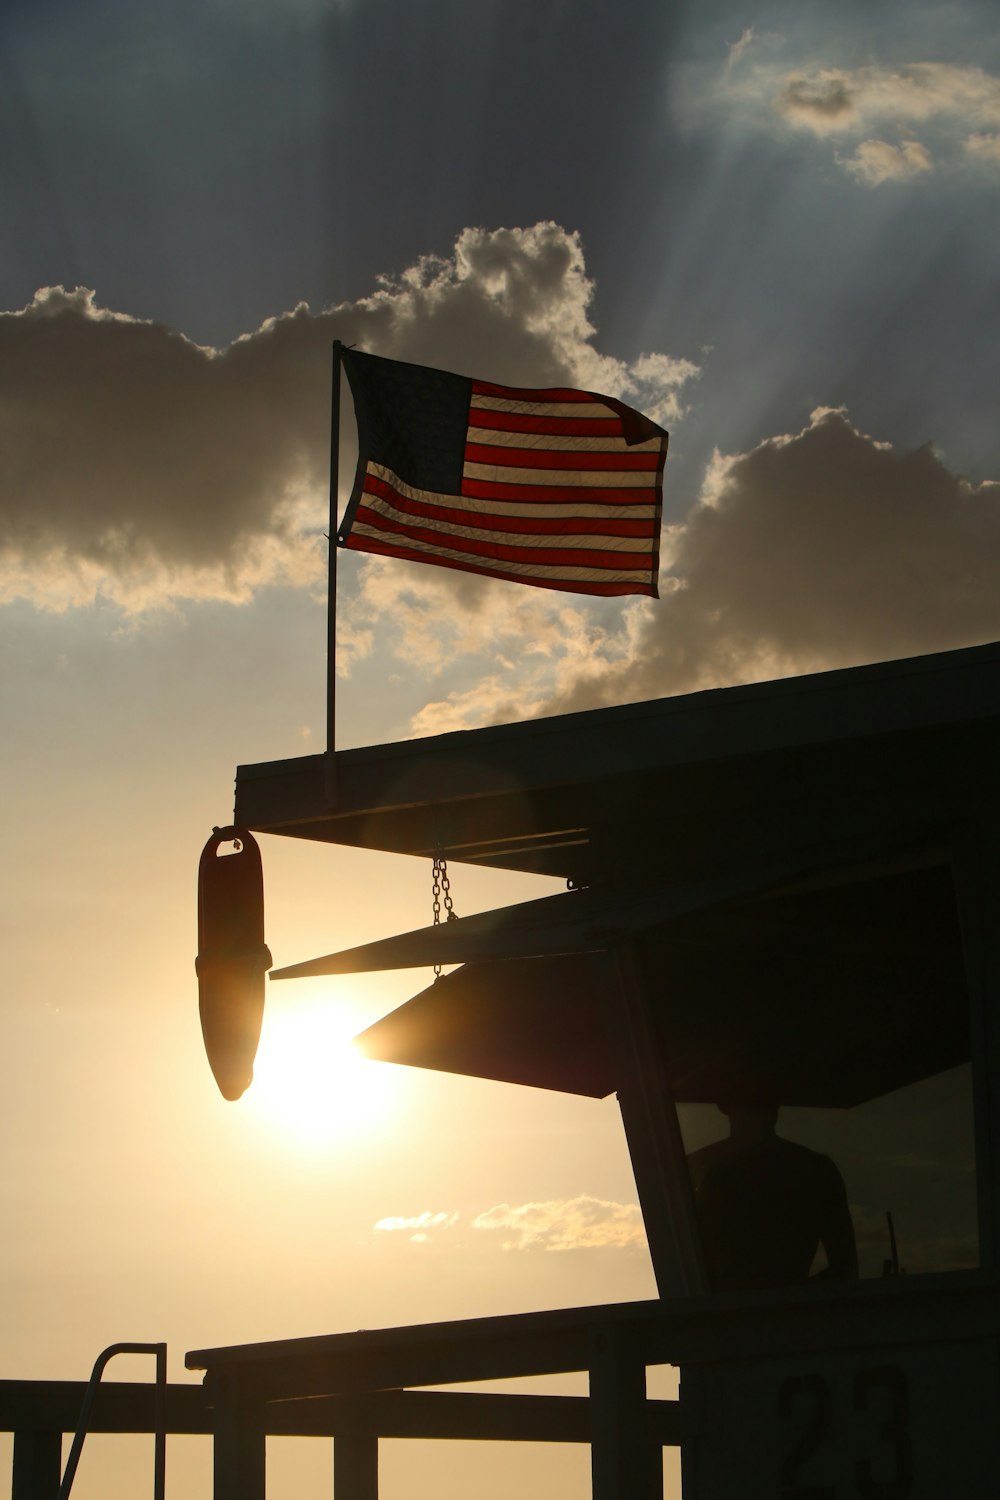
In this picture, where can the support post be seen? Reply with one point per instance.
(977, 874)
(654, 1141)
(331, 614)
(239, 1448)
(355, 1466)
(37, 1465)
(626, 1464)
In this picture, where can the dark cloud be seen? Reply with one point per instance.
(820, 550)
(828, 97)
(143, 466)
(130, 448)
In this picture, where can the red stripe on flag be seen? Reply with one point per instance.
(559, 458)
(570, 586)
(567, 557)
(515, 421)
(610, 525)
(548, 494)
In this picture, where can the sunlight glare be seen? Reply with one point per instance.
(309, 1082)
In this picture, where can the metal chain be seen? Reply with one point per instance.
(441, 887)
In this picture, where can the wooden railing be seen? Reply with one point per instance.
(355, 1389)
(359, 1387)
(39, 1412)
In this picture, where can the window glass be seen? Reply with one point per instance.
(817, 1042)
(906, 1161)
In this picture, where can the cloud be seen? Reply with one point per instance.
(984, 146)
(440, 616)
(736, 51)
(828, 100)
(821, 549)
(818, 549)
(416, 1226)
(523, 646)
(144, 468)
(496, 698)
(907, 118)
(569, 1224)
(825, 101)
(561, 1224)
(580, 649)
(875, 162)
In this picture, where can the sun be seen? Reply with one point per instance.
(310, 1083)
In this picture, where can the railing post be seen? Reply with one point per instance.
(355, 1466)
(625, 1462)
(37, 1465)
(239, 1447)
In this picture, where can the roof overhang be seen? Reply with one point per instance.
(718, 835)
(542, 794)
(826, 988)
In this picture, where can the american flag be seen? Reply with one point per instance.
(558, 488)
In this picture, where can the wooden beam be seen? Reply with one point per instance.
(119, 1406)
(594, 920)
(464, 1416)
(45, 1407)
(495, 1348)
(822, 1315)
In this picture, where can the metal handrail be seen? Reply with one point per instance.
(159, 1415)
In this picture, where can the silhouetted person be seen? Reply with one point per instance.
(766, 1204)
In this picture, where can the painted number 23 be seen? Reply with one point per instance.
(807, 1401)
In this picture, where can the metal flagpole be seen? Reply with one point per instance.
(331, 616)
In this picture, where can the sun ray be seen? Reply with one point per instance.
(310, 1085)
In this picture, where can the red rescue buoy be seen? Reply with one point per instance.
(232, 957)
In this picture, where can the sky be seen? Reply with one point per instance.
(770, 226)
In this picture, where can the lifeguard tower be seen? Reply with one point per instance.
(784, 903)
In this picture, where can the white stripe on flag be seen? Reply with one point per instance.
(589, 409)
(551, 570)
(503, 437)
(585, 509)
(595, 479)
(547, 540)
